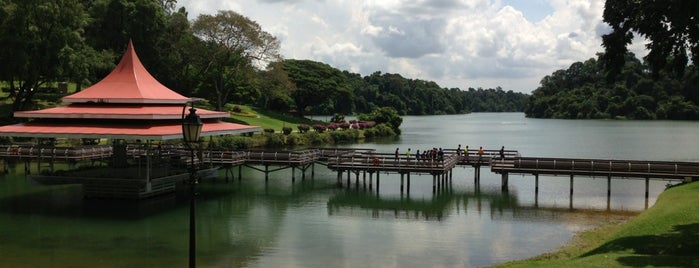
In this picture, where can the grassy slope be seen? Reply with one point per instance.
(267, 119)
(665, 235)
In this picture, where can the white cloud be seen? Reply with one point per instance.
(457, 43)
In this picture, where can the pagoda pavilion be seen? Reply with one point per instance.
(129, 104)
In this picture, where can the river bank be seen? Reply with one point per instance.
(667, 234)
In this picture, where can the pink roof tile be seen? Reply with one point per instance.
(117, 111)
(129, 82)
(135, 130)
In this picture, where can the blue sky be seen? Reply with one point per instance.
(456, 43)
(533, 10)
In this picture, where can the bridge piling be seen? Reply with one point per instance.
(408, 182)
(434, 183)
(505, 182)
(364, 180)
(401, 182)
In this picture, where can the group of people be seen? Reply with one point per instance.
(437, 154)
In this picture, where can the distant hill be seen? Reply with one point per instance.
(583, 91)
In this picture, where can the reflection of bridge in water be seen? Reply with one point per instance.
(498, 205)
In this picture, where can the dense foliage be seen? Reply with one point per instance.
(414, 97)
(224, 58)
(581, 91)
(671, 26)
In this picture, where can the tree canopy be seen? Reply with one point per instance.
(581, 92)
(671, 26)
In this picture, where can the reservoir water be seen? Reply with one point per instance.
(312, 223)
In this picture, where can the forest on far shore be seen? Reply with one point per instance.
(584, 91)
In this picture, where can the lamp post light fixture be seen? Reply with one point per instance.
(191, 130)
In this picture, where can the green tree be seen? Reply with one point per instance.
(384, 115)
(42, 42)
(316, 83)
(670, 25)
(236, 46)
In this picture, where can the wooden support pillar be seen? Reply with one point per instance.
(536, 190)
(378, 181)
(266, 173)
(303, 173)
(434, 183)
(609, 191)
(313, 170)
(408, 182)
(339, 178)
(364, 180)
(371, 178)
(402, 179)
(349, 183)
(240, 172)
(571, 191)
(293, 174)
(571, 184)
(505, 182)
(356, 180)
(647, 190)
(477, 173)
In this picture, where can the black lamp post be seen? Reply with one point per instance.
(191, 129)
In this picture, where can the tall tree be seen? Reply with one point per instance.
(670, 25)
(42, 42)
(316, 83)
(236, 45)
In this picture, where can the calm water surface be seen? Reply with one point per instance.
(312, 223)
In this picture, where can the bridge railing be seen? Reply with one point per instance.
(604, 166)
(66, 153)
(303, 156)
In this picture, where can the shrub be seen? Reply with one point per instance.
(286, 130)
(275, 140)
(237, 109)
(319, 128)
(318, 138)
(333, 126)
(344, 125)
(236, 142)
(303, 128)
(269, 130)
(295, 139)
(345, 136)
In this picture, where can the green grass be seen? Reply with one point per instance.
(665, 235)
(268, 119)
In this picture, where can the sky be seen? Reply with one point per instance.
(462, 44)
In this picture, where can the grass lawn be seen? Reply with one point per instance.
(665, 235)
(268, 119)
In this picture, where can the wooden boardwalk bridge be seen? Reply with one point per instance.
(360, 161)
(648, 170)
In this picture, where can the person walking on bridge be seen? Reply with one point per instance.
(480, 154)
(502, 153)
(396, 154)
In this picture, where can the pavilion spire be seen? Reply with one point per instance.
(129, 82)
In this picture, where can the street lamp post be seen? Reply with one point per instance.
(191, 129)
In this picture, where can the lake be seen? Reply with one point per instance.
(313, 223)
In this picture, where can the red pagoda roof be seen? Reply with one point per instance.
(132, 130)
(116, 111)
(129, 82)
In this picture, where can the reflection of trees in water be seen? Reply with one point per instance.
(499, 205)
(235, 223)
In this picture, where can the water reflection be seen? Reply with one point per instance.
(499, 206)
